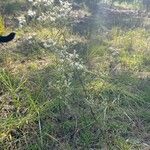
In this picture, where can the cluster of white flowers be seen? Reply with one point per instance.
(29, 39)
(51, 12)
(34, 13)
(47, 10)
(47, 16)
(50, 43)
(77, 65)
(38, 2)
(72, 59)
(56, 12)
(68, 56)
(21, 21)
(79, 14)
(31, 13)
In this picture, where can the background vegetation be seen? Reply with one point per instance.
(77, 75)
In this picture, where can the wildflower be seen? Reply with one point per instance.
(22, 21)
(31, 13)
(49, 43)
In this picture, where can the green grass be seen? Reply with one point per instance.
(91, 110)
(47, 103)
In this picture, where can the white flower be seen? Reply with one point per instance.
(49, 43)
(46, 45)
(35, 3)
(31, 13)
(78, 65)
(22, 21)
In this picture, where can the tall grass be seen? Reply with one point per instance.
(74, 93)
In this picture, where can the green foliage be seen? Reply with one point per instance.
(127, 1)
(12, 7)
(2, 27)
(59, 90)
(132, 45)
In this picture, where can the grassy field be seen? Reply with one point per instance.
(63, 90)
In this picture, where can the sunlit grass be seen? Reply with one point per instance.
(126, 5)
(2, 27)
(45, 103)
(136, 40)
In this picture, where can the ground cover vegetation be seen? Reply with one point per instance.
(76, 76)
